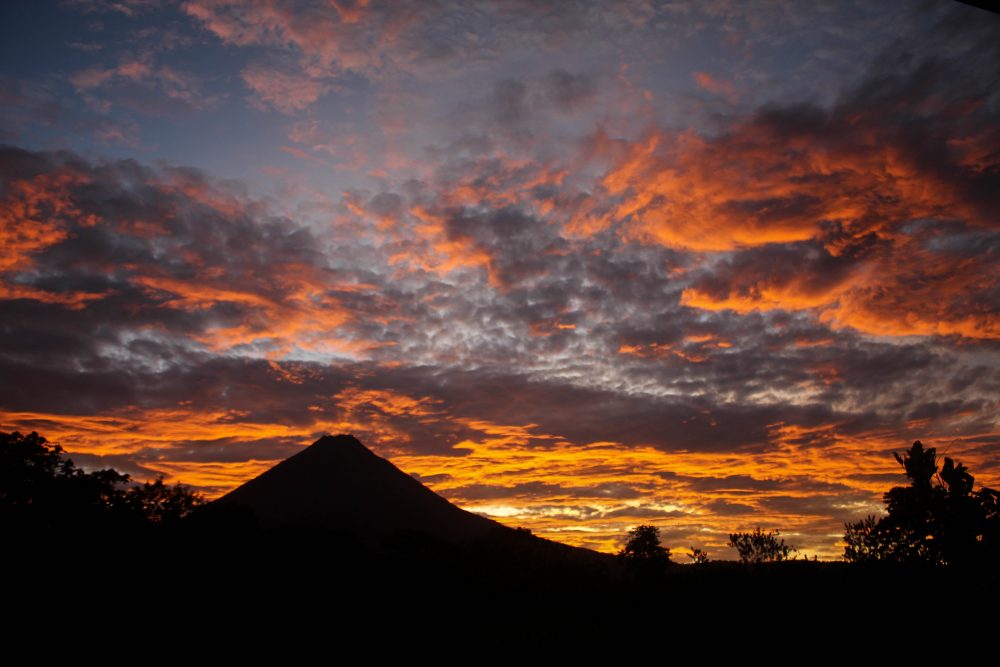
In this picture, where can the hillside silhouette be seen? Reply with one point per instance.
(339, 527)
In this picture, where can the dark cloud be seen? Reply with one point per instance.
(807, 266)
(745, 484)
(480, 492)
(509, 107)
(521, 246)
(833, 507)
(729, 508)
(569, 92)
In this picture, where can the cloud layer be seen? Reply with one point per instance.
(560, 282)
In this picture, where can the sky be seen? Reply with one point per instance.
(577, 266)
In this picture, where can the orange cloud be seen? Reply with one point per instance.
(907, 289)
(923, 292)
(766, 182)
(33, 216)
(304, 314)
(846, 185)
(36, 214)
(765, 298)
(716, 86)
(693, 348)
(436, 251)
(278, 304)
(386, 401)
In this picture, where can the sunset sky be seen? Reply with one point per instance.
(575, 265)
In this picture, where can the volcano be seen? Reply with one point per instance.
(338, 484)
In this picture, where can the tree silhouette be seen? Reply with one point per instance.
(643, 554)
(760, 547)
(43, 491)
(942, 523)
(644, 545)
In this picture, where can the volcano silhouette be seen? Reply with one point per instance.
(338, 484)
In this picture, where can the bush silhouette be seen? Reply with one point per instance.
(760, 547)
(698, 556)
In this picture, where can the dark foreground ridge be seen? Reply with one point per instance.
(337, 530)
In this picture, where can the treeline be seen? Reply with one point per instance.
(43, 493)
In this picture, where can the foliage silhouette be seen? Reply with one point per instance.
(644, 546)
(942, 523)
(159, 503)
(645, 558)
(43, 491)
(760, 547)
(698, 556)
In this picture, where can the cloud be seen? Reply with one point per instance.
(569, 92)
(287, 92)
(380, 41)
(139, 84)
(842, 210)
(31, 110)
(129, 8)
(716, 86)
(165, 253)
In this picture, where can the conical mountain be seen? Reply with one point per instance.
(339, 484)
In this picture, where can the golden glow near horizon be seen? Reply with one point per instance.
(586, 495)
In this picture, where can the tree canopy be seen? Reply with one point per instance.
(42, 490)
(643, 549)
(760, 547)
(937, 519)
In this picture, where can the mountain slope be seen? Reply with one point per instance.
(339, 484)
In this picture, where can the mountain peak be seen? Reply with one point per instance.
(336, 450)
(345, 438)
(337, 483)
(342, 441)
